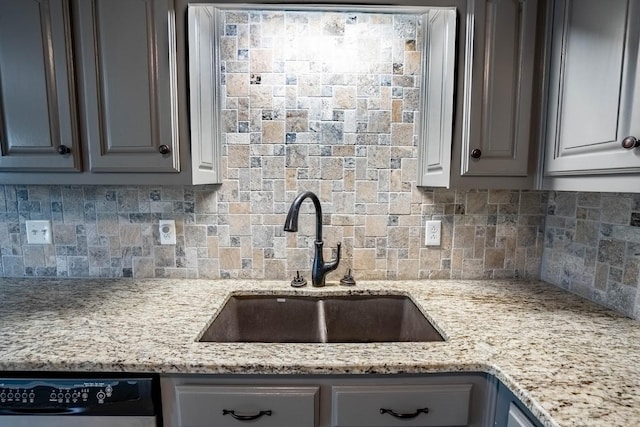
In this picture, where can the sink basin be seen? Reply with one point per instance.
(328, 319)
(266, 319)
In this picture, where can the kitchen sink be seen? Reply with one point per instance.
(326, 319)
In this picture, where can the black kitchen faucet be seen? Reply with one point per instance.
(320, 268)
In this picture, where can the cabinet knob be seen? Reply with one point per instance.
(476, 153)
(164, 149)
(63, 149)
(630, 142)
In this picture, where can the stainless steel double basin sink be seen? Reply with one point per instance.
(320, 319)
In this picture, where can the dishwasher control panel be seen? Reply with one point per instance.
(62, 396)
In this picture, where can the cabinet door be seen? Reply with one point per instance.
(389, 406)
(127, 81)
(230, 406)
(510, 412)
(593, 95)
(497, 139)
(37, 111)
(516, 418)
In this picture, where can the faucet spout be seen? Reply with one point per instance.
(320, 268)
(291, 223)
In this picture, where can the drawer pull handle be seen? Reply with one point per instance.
(245, 417)
(404, 416)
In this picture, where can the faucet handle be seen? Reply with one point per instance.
(338, 252)
(348, 279)
(298, 281)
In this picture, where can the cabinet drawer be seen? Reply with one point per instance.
(211, 406)
(356, 406)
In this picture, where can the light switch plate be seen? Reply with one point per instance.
(167, 232)
(39, 232)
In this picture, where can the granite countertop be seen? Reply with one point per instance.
(571, 362)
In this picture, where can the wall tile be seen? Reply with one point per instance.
(591, 247)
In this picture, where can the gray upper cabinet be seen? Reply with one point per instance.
(594, 96)
(104, 82)
(497, 143)
(126, 85)
(495, 128)
(37, 110)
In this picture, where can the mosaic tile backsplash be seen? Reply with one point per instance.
(318, 90)
(113, 232)
(592, 247)
(587, 243)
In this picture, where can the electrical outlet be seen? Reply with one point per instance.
(432, 233)
(167, 232)
(39, 232)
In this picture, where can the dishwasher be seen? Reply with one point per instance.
(79, 402)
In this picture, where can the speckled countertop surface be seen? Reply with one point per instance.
(571, 362)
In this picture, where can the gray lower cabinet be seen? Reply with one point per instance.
(401, 405)
(230, 405)
(37, 109)
(517, 418)
(510, 412)
(594, 96)
(327, 400)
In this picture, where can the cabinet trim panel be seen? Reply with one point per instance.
(436, 121)
(205, 99)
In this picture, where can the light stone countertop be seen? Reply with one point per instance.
(571, 362)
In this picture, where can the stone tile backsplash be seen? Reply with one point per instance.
(592, 247)
(113, 231)
(587, 243)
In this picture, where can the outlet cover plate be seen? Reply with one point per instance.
(39, 232)
(167, 231)
(433, 230)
